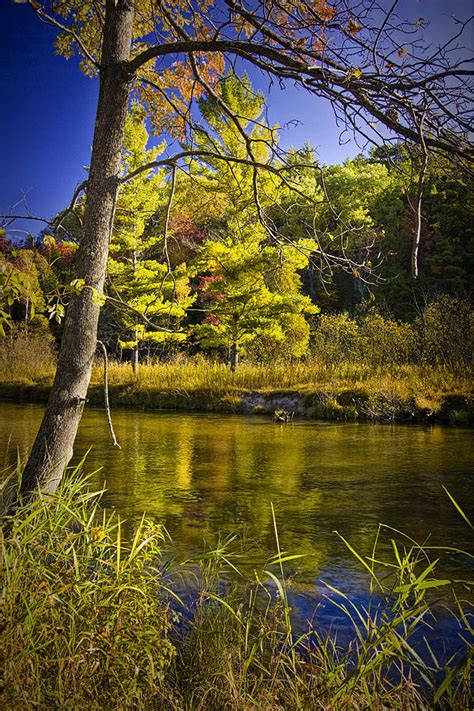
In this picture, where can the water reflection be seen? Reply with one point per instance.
(203, 474)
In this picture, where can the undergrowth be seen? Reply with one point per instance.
(332, 383)
(90, 620)
(205, 385)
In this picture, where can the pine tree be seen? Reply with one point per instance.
(151, 294)
(252, 292)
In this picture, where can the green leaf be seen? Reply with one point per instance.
(458, 508)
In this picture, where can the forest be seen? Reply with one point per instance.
(235, 378)
(193, 275)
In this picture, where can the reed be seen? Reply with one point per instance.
(242, 651)
(84, 623)
(89, 620)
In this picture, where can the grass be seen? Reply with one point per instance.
(82, 616)
(89, 620)
(27, 360)
(316, 388)
(348, 390)
(190, 375)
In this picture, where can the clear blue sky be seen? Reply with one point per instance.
(48, 109)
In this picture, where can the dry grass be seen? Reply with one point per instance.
(346, 390)
(27, 359)
(403, 381)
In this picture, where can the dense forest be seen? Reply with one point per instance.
(320, 264)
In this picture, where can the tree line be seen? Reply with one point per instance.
(192, 265)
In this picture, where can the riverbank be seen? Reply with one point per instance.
(406, 393)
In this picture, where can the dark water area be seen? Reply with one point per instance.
(207, 476)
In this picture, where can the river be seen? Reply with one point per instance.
(206, 476)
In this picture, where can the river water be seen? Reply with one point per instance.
(206, 476)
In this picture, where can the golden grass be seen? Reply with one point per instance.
(27, 365)
(188, 376)
(27, 359)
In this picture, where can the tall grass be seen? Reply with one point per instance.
(242, 651)
(82, 614)
(30, 359)
(354, 371)
(87, 621)
(346, 391)
(27, 358)
(190, 375)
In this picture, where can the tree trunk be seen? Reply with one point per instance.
(234, 357)
(135, 354)
(234, 349)
(53, 446)
(136, 350)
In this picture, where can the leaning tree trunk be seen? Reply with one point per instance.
(53, 446)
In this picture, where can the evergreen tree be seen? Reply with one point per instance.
(252, 293)
(249, 285)
(151, 294)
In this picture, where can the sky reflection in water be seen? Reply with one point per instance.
(206, 476)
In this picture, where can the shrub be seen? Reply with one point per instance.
(447, 331)
(383, 341)
(372, 340)
(335, 338)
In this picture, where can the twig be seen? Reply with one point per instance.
(419, 205)
(106, 393)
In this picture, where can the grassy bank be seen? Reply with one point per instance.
(312, 389)
(90, 620)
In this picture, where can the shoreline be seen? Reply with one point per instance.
(354, 404)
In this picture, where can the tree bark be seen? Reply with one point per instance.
(234, 357)
(135, 354)
(234, 348)
(53, 446)
(136, 350)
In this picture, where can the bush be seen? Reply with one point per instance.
(447, 331)
(383, 341)
(372, 340)
(335, 338)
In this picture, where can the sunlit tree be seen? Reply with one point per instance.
(150, 294)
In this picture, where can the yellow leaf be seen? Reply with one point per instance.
(49, 241)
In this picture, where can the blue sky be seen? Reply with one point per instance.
(48, 109)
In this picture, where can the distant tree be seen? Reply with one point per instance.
(449, 212)
(222, 191)
(24, 277)
(252, 292)
(249, 284)
(350, 206)
(446, 237)
(150, 294)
